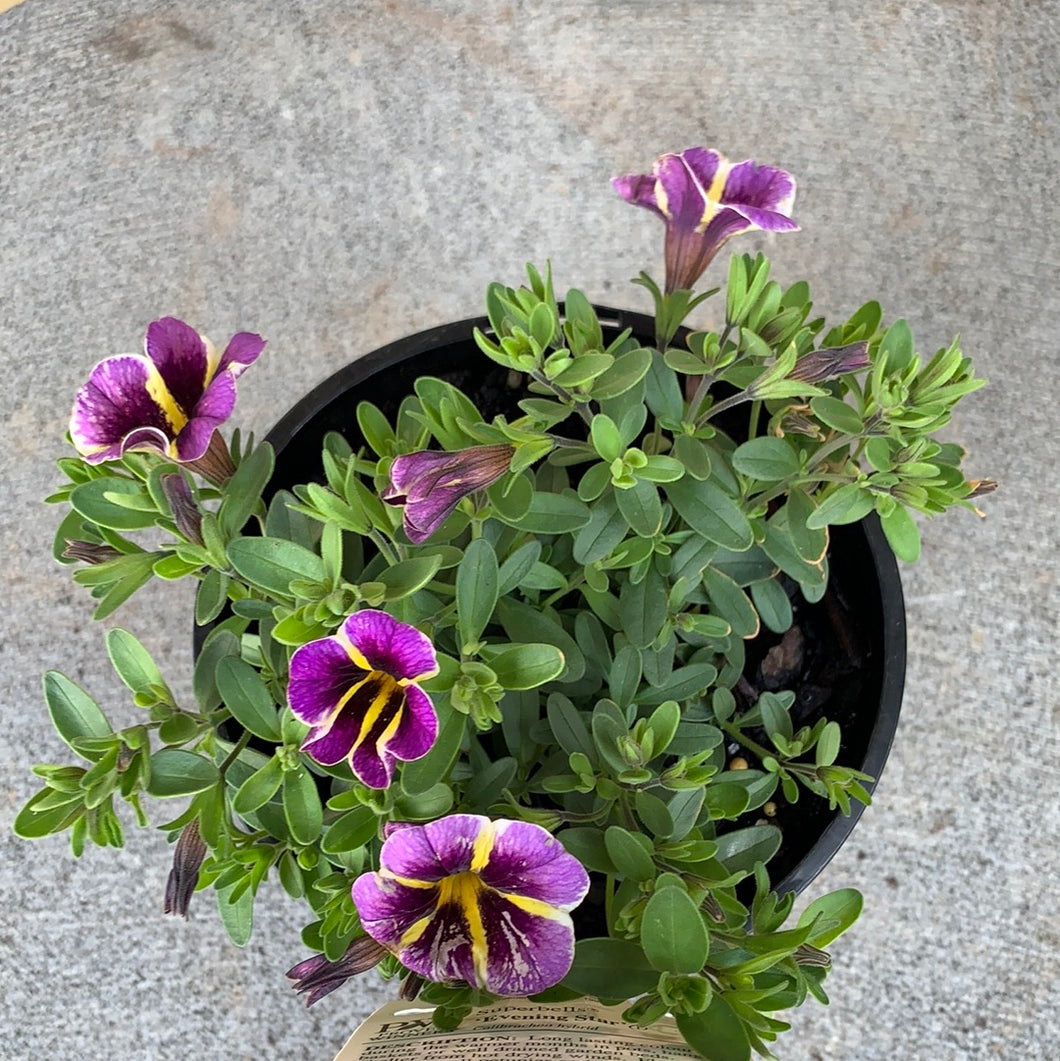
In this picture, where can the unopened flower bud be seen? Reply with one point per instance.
(317, 977)
(187, 859)
(186, 513)
(89, 552)
(820, 365)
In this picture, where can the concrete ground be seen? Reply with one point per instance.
(335, 175)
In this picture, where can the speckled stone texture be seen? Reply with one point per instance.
(335, 175)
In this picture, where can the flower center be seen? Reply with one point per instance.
(461, 890)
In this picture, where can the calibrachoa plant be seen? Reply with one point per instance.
(477, 692)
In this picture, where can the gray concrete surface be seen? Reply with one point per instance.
(336, 175)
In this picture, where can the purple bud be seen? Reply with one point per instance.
(431, 483)
(317, 977)
(820, 365)
(185, 511)
(89, 552)
(187, 859)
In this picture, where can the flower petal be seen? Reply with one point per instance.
(179, 353)
(116, 400)
(389, 645)
(321, 674)
(243, 350)
(638, 189)
(388, 909)
(418, 729)
(763, 188)
(441, 948)
(527, 860)
(526, 951)
(330, 744)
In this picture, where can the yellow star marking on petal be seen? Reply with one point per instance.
(712, 198)
(480, 853)
(462, 891)
(355, 654)
(537, 907)
(387, 686)
(159, 393)
(213, 359)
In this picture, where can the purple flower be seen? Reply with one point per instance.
(358, 692)
(704, 200)
(467, 898)
(820, 365)
(431, 483)
(170, 399)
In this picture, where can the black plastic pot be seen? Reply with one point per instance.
(863, 572)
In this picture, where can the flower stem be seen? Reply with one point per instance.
(738, 735)
(234, 753)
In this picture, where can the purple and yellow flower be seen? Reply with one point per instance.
(704, 200)
(431, 483)
(357, 690)
(170, 399)
(467, 898)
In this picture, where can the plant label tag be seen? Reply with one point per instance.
(516, 1030)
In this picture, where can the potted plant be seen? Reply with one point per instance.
(505, 686)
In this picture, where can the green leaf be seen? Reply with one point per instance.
(407, 576)
(768, 459)
(626, 372)
(644, 608)
(610, 968)
(237, 916)
(73, 712)
(243, 491)
(606, 438)
(246, 695)
(731, 603)
(811, 543)
(301, 805)
(528, 625)
(517, 566)
(711, 513)
(624, 678)
(897, 345)
(552, 514)
(569, 728)
(35, 820)
(903, 535)
(673, 934)
(218, 645)
(211, 597)
(586, 844)
(717, 1032)
(526, 666)
(273, 563)
(779, 547)
(351, 831)
(91, 501)
(175, 772)
(835, 912)
(742, 848)
(376, 429)
(606, 528)
(641, 508)
(828, 743)
(630, 852)
(837, 415)
(847, 504)
(477, 581)
(259, 788)
(772, 604)
(654, 813)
